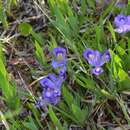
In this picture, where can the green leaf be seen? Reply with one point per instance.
(107, 94)
(79, 114)
(37, 37)
(25, 29)
(124, 85)
(8, 6)
(120, 50)
(39, 54)
(31, 124)
(99, 36)
(122, 74)
(84, 82)
(126, 61)
(4, 84)
(52, 43)
(51, 5)
(112, 32)
(108, 9)
(14, 2)
(66, 114)
(3, 17)
(117, 67)
(91, 3)
(54, 118)
(73, 23)
(83, 7)
(36, 114)
(68, 97)
(3, 70)
(8, 89)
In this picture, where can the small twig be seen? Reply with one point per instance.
(34, 82)
(26, 19)
(25, 86)
(7, 39)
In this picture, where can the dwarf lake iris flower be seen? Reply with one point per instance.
(59, 60)
(51, 86)
(96, 59)
(122, 23)
(52, 83)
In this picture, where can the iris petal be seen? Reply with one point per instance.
(120, 20)
(94, 58)
(122, 23)
(123, 29)
(45, 82)
(97, 70)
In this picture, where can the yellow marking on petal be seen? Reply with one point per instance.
(59, 56)
(91, 56)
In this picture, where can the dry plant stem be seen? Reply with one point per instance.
(26, 87)
(34, 82)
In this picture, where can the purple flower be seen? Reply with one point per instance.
(96, 59)
(122, 29)
(51, 88)
(122, 23)
(120, 20)
(59, 57)
(97, 70)
(93, 57)
(59, 60)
